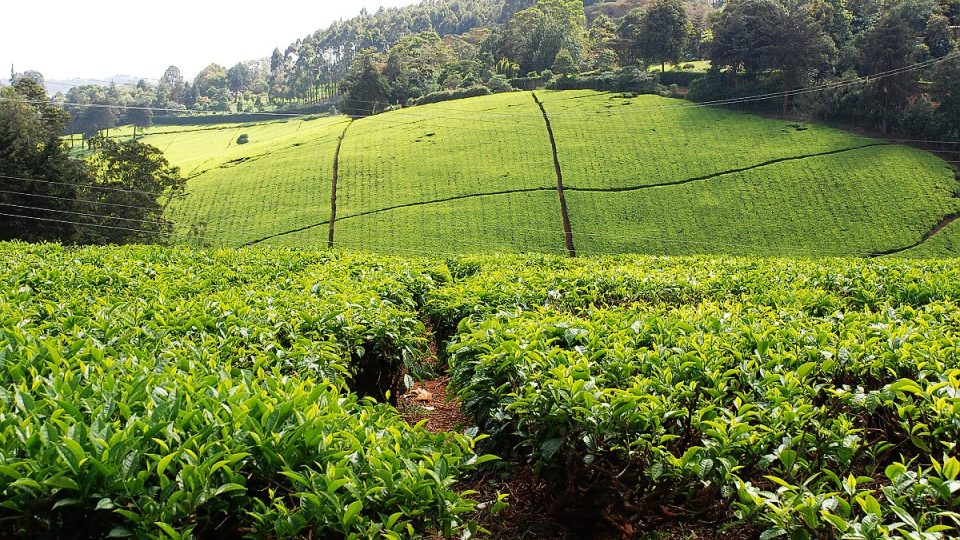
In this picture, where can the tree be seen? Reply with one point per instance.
(125, 200)
(946, 91)
(171, 84)
(628, 30)
(367, 89)
(239, 77)
(534, 36)
(834, 18)
(938, 36)
(141, 116)
(116, 196)
(38, 177)
(512, 7)
(888, 46)
(35, 76)
(210, 79)
(804, 48)
(663, 33)
(602, 38)
(564, 64)
(747, 36)
(94, 118)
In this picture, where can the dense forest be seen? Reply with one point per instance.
(880, 64)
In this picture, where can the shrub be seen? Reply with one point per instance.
(527, 83)
(225, 413)
(499, 84)
(679, 78)
(457, 93)
(622, 80)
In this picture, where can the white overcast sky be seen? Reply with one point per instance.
(68, 38)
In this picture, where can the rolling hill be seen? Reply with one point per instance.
(637, 174)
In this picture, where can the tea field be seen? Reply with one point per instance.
(158, 392)
(641, 174)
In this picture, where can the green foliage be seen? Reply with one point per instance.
(747, 35)
(606, 142)
(114, 196)
(366, 88)
(31, 156)
(813, 398)
(662, 33)
(437, 152)
(154, 393)
(534, 37)
(210, 80)
(450, 95)
(629, 79)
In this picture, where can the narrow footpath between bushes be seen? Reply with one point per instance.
(535, 511)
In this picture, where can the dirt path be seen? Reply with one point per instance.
(942, 224)
(564, 212)
(336, 178)
(428, 400)
(724, 173)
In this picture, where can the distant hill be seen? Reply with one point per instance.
(641, 175)
(63, 85)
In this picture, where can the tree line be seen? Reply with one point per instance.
(901, 57)
(441, 49)
(889, 65)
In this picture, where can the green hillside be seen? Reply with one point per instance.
(643, 174)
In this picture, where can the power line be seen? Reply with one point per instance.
(84, 214)
(136, 108)
(20, 216)
(68, 199)
(93, 202)
(86, 186)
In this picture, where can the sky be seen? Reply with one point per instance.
(98, 39)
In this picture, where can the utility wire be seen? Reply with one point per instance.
(87, 186)
(85, 214)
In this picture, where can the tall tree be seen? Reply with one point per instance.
(35, 76)
(889, 46)
(938, 36)
(946, 91)
(171, 84)
(210, 79)
(747, 36)
(39, 179)
(804, 49)
(367, 90)
(534, 36)
(663, 33)
(239, 77)
(126, 199)
(140, 115)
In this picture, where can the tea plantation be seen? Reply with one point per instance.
(172, 393)
(641, 174)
